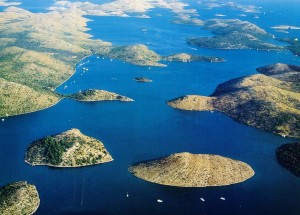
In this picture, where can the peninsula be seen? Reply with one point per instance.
(19, 198)
(288, 155)
(67, 149)
(193, 170)
(233, 34)
(294, 46)
(262, 101)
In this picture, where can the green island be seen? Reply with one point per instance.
(294, 46)
(262, 101)
(184, 57)
(67, 149)
(19, 198)
(192, 170)
(33, 64)
(97, 95)
(233, 34)
(142, 79)
(135, 54)
(288, 155)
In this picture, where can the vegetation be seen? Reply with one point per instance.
(97, 95)
(294, 45)
(288, 155)
(193, 170)
(183, 57)
(68, 149)
(258, 100)
(18, 198)
(136, 54)
(233, 34)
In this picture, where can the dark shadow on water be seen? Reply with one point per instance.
(83, 213)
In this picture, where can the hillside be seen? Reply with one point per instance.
(233, 34)
(68, 149)
(288, 155)
(18, 198)
(257, 100)
(192, 170)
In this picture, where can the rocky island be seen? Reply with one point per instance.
(97, 95)
(233, 34)
(193, 170)
(184, 57)
(19, 198)
(67, 149)
(143, 79)
(288, 155)
(262, 101)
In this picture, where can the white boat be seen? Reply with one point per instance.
(203, 200)
(159, 200)
(2, 120)
(127, 195)
(222, 198)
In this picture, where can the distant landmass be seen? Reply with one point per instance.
(288, 155)
(18, 198)
(142, 79)
(233, 34)
(262, 101)
(294, 46)
(184, 57)
(68, 149)
(193, 170)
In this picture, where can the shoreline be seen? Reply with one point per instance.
(50, 165)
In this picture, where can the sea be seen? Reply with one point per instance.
(148, 128)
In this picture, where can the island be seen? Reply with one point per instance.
(184, 57)
(67, 149)
(192, 170)
(143, 79)
(262, 101)
(98, 95)
(136, 54)
(294, 46)
(19, 198)
(185, 20)
(288, 155)
(233, 34)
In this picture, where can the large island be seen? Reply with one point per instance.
(263, 101)
(68, 149)
(193, 170)
(233, 34)
(19, 198)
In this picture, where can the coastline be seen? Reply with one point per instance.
(53, 166)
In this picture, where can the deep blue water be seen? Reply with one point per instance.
(147, 128)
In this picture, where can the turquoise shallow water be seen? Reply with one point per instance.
(147, 128)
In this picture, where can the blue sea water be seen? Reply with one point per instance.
(147, 128)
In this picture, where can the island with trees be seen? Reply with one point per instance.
(67, 149)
